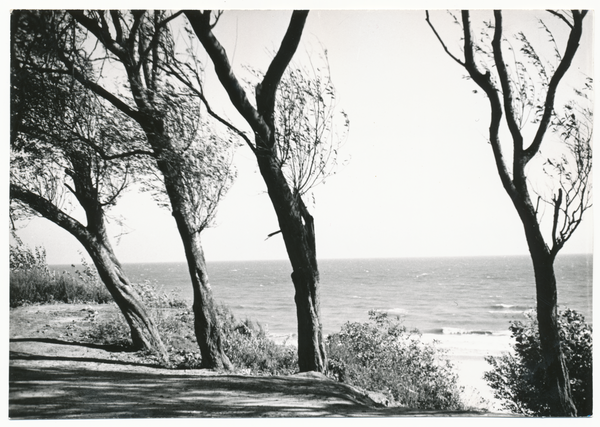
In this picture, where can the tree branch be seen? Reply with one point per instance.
(49, 211)
(565, 63)
(557, 202)
(265, 91)
(98, 89)
(485, 83)
(200, 21)
(442, 41)
(199, 92)
(508, 96)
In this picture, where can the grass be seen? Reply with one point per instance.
(39, 286)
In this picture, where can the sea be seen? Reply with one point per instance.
(440, 296)
(462, 304)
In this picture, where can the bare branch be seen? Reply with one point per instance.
(441, 40)
(570, 50)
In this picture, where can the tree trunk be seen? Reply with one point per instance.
(295, 223)
(206, 322)
(559, 394)
(144, 333)
(311, 351)
(298, 233)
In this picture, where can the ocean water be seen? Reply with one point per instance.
(440, 296)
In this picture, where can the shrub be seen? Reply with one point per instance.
(246, 343)
(113, 331)
(382, 356)
(248, 346)
(23, 258)
(519, 380)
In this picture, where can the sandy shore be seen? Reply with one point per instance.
(54, 375)
(467, 353)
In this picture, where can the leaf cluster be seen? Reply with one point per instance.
(309, 129)
(248, 347)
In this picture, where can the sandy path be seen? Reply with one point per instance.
(54, 375)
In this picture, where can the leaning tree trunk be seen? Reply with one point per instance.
(297, 228)
(559, 394)
(144, 333)
(206, 322)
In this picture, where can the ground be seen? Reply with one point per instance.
(55, 372)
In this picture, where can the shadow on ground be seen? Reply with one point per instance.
(53, 378)
(67, 392)
(80, 393)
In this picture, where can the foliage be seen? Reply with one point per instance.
(113, 331)
(154, 297)
(246, 343)
(519, 379)
(32, 282)
(308, 129)
(248, 347)
(23, 258)
(381, 355)
(40, 286)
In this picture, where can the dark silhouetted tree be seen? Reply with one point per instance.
(522, 89)
(291, 124)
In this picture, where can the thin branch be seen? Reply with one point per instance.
(560, 16)
(508, 96)
(570, 50)
(557, 202)
(175, 73)
(442, 41)
(265, 91)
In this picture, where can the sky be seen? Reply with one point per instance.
(417, 179)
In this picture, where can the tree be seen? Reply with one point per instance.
(50, 115)
(290, 159)
(139, 43)
(135, 48)
(516, 100)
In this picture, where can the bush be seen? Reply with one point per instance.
(23, 258)
(113, 331)
(248, 347)
(518, 378)
(381, 356)
(245, 343)
(32, 282)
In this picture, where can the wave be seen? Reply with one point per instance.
(504, 307)
(395, 311)
(460, 331)
(503, 312)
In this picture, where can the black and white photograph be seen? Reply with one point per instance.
(299, 210)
